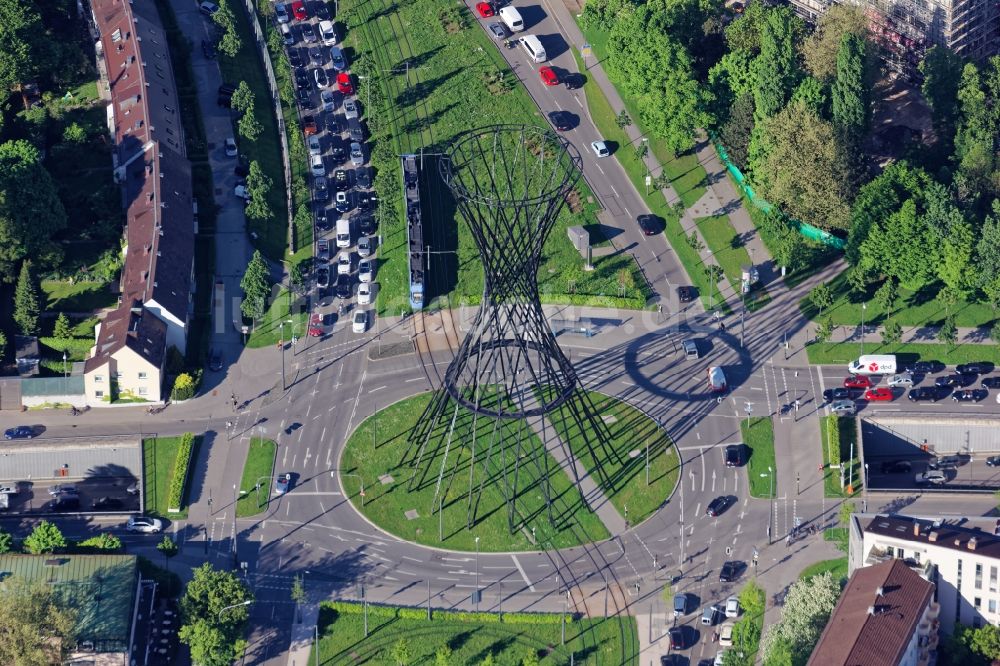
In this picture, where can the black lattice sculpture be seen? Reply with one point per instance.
(510, 183)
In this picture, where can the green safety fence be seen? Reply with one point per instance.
(809, 231)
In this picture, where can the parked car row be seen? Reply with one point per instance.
(958, 385)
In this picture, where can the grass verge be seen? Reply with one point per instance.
(836, 567)
(761, 466)
(258, 468)
(838, 535)
(621, 471)
(470, 637)
(836, 435)
(284, 308)
(271, 234)
(378, 455)
(159, 456)
(841, 353)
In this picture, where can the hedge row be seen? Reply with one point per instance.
(179, 478)
(411, 613)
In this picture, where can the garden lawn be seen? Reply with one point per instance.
(841, 353)
(268, 330)
(759, 438)
(593, 642)
(77, 297)
(462, 83)
(379, 449)
(158, 456)
(604, 119)
(621, 476)
(912, 308)
(836, 567)
(272, 234)
(836, 435)
(259, 467)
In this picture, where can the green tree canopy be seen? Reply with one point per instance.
(45, 538)
(776, 70)
(19, 26)
(213, 613)
(31, 616)
(256, 285)
(26, 309)
(61, 329)
(850, 106)
(942, 71)
(243, 97)
(820, 49)
(30, 209)
(877, 200)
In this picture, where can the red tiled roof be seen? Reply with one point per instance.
(872, 629)
(134, 327)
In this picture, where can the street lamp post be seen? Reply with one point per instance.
(242, 603)
(236, 498)
(477, 574)
(65, 374)
(864, 306)
(770, 514)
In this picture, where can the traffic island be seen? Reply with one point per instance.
(375, 458)
(357, 633)
(758, 435)
(258, 476)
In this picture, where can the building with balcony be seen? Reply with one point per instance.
(886, 616)
(961, 557)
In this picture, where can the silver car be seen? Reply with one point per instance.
(937, 477)
(843, 407)
(904, 379)
(357, 155)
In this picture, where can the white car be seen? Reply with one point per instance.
(732, 607)
(231, 149)
(904, 379)
(328, 100)
(600, 148)
(720, 658)
(8, 490)
(726, 634)
(316, 165)
(314, 146)
(281, 12)
(366, 270)
(365, 246)
(322, 80)
(344, 263)
(365, 293)
(327, 33)
(360, 322)
(357, 155)
(350, 108)
(144, 525)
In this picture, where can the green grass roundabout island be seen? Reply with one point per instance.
(377, 455)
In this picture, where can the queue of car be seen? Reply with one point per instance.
(341, 178)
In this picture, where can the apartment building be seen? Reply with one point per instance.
(152, 168)
(907, 28)
(886, 616)
(960, 557)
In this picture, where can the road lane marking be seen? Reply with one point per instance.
(523, 575)
(614, 190)
(600, 169)
(579, 102)
(378, 388)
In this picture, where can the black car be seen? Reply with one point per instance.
(366, 224)
(717, 506)
(19, 432)
(993, 461)
(322, 221)
(344, 287)
(208, 48)
(649, 224)
(574, 81)
(990, 382)
(734, 455)
(685, 294)
(981, 368)
(677, 635)
(65, 502)
(970, 395)
(838, 393)
(730, 572)
(948, 381)
(363, 177)
(321, 10)
(895, 467)
(323, 277)
(924, 367)
(301, 79)
(561, 120)
(322, 80)
(304, 100)
(317, 55)
(108, 503)
(295, 57)
(225, 98)
(340, 179)
(215, 360)
(923, 393)
(338, 153)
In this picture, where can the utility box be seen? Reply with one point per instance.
(580, 239)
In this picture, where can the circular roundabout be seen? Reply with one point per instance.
(488, 477)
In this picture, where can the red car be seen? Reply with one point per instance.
(549, 76)
(857, 382)
(315, 325)
(344, 84)
(299, 10)
(485, 9)
(879, 395)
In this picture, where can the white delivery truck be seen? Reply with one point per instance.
(343, 232)
(873, 364)
(512, 18)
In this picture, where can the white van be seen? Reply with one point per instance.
(512, 18)
(327, 33)
(534, 48)
(343, 232)
(873, 364)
